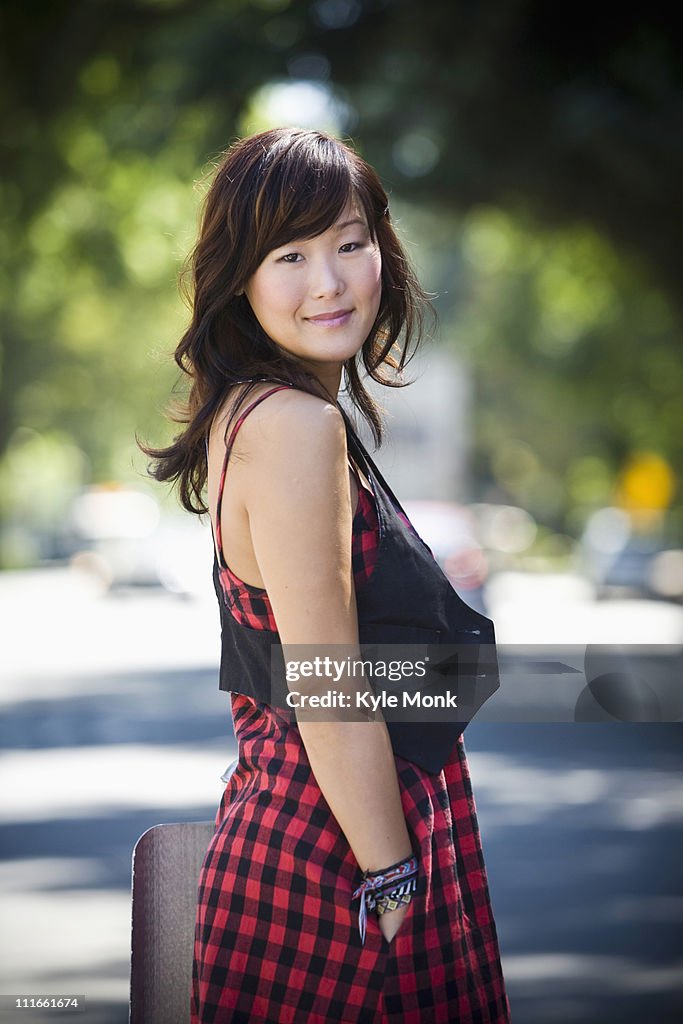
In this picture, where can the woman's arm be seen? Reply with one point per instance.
(294, 482)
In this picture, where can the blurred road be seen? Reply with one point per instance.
(112, 722)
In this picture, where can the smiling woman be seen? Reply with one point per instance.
(345, 880)
(319, 297)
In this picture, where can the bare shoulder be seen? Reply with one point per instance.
(291, 425)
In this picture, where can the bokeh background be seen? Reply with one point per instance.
(533, 156)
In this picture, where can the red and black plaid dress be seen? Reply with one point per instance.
(277, 938)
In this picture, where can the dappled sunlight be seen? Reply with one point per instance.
(84, 631)
(560, 608)
(79, 782)
(70, 940)
(517, 794)
(38, 874)
(596, 973)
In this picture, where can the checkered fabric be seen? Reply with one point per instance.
(277, 938)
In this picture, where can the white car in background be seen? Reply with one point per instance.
(119, 534)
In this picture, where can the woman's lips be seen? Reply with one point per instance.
(336, 319)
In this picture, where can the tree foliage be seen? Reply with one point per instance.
(535, 154)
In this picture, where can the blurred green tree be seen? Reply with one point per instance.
(543, 147)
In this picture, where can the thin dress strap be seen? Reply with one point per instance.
(218, 544)
(361, 454)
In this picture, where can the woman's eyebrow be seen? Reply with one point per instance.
(348, 223)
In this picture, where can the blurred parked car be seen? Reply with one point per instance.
(624, 563)
(450, 532)
(118, 534)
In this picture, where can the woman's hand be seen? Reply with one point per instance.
(391, 921)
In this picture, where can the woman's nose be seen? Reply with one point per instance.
(326, 279)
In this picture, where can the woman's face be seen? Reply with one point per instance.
(318, 298)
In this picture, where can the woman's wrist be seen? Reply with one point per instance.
(391, 867)
(386, 890)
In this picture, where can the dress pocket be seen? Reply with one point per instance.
(406, 925)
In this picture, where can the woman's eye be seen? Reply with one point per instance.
(290, 257)
(350, 246)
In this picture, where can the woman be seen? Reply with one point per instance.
(345, 879)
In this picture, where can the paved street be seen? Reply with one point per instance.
(112, 722)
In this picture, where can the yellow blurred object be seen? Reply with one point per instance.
(646, 484)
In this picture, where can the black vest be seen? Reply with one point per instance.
(407, 600)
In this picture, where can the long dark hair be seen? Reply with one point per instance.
(269, 189)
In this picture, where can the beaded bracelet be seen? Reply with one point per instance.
(397, 897)
(379, 890)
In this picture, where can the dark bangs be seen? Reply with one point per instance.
(304, 182)
(269, 190)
